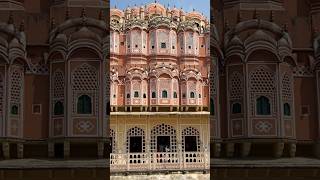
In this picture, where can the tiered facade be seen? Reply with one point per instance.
(53, 79)
(159, 89)
(268, 75)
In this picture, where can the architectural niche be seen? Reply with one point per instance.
(78, 67)
(259, 68)
(13, 64)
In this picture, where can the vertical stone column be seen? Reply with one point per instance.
(180, 154)
(100, 150)
(6, 150)
(50, 149)
(245, 149)
(292, 149)
(216, 150)
(317, 149)
(20, 150)
(278, 149)
(230, 149)
(66, 149)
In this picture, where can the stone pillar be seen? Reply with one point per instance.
(20, 150)
(230, 149)
(6, 150)
(216, 150)
(50, 149)
(181, 154)
(66, 149)
(278, 149)
(292, 149)
(245, 149)
(317, 149)
(100, 150)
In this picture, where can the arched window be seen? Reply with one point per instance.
(199, 95)
(286, 109)
(128, 95)
(164, 94)
(84, 105)
(153, 95)
(175, 95)
(236, 108)
(191, 94)
(144, 95)
(136, 94)
(263, 106)
(58, 108)
(14, 110)
(211, 106)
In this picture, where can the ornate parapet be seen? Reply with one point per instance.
(76, 33)
(264, 35)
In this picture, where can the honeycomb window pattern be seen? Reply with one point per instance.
(191, 131)
(163, 130)
(136, 132)
(236, 86)
(262, 80)
(58, 84)
(85, 78)
(16, 85)
(286, 88)
(113, 140)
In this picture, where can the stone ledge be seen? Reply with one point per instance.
(189, 176)
(297, 162)
(159, 113)
(53, 164)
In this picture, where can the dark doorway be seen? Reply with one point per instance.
(163, 143)
(58, 150)
(136, 144)
(13, 151)
(111, 144)
(190, 143)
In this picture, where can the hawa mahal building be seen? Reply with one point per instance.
(156, 86)
(159, 89)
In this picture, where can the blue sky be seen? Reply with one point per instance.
(202, 6)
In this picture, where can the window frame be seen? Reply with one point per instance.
(166, 94)
(284, 110)
(262, 107)
(91, 108)
(136, 94)
(54, 108)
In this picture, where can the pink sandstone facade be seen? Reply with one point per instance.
(159, 89)
(268, 56)
(159, 58)
(53, 87)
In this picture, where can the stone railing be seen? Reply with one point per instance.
(160, 161)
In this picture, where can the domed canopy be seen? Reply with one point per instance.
(135, 11)
(156, 8)
(175, 12)
(116, 12)
(195, 15)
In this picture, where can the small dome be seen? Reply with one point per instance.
(175, 12)
(116, 12)
(156, 8)
(135, 11)
(196, 15)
